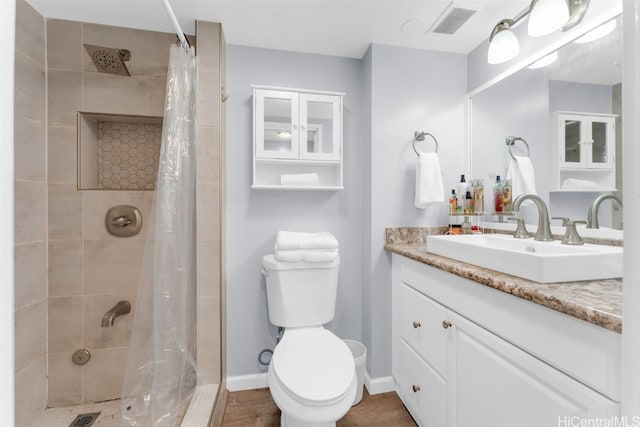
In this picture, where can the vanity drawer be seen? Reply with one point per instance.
(422, 389)
(424, 325)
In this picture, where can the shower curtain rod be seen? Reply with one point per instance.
(176, 24)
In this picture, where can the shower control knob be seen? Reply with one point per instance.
(446, 324)
(416, 324)
(415, 388)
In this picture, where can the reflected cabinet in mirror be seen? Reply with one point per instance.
(297, 139)
(570, 114)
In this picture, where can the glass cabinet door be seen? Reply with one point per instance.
(601, 144)
(573, 137)
(320, 127)
(276, 124)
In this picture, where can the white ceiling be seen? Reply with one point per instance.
(342, 28)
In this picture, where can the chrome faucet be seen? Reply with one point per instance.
(120, 309)
(543, 233)
(592, 215)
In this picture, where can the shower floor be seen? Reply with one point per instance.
(197, 414)
(110, 415)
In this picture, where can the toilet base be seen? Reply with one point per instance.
(286, 421)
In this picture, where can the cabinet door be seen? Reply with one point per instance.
(421, 388)
(276, 124)
(497, 384)
(320, 127)
(572, 131)
(422, 327)
(601, 142)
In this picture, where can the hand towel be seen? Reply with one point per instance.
(289, 240)
(429, 189)
(301, 179)
(306, 255)
(522, 176)
(579, 184)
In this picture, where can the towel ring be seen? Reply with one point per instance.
(419, 136)
(511, 141)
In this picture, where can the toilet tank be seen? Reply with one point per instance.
(300, 294)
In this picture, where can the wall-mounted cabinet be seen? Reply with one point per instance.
(582, 152)
(297, 139)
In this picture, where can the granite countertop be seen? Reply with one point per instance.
(598, 302)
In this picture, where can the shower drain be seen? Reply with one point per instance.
(84, 420)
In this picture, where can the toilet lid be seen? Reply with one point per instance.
(313, 364)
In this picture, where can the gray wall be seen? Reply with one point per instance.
(411, 90)
(391, 93)
(254, 216)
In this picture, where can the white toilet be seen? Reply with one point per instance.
(312, 376)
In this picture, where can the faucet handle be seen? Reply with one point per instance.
(564, 219)
(571, 236)
(521, 230)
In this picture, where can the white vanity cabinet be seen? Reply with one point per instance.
(296, 132)
(470, 356)
(582, 148)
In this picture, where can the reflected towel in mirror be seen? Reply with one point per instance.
(522, 176)
(429, 188)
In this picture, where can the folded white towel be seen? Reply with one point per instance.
(302, 179)
(522, 176)
(289, 240)
(429, 189)
(306, 255)
(579, 184)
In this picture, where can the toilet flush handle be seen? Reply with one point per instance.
(264, 272)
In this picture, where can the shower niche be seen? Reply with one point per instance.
(118, 152)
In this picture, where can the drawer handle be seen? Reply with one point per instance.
(416, 388)
(446, 324)
(416, 324)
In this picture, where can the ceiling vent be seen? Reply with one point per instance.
(452, 20)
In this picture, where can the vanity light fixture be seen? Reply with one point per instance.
(544, 61)
(503, 44)
(545, 16)
(283, 134)
(598, 32)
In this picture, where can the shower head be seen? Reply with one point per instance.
(109, 60)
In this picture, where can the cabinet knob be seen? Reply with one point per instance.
(416, 388)
(416, 324)
(446, 324)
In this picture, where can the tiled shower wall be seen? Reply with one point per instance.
(90, 270)
(30, 216)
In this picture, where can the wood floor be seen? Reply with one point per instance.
(256, 408)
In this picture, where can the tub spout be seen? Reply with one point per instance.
(120, 309)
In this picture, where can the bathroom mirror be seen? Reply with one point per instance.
(585, 78)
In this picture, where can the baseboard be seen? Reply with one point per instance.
(247, 382)
(251, 382)
(379, 385)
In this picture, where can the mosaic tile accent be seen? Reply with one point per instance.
(128, 155)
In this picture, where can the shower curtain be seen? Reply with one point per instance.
(161, 368)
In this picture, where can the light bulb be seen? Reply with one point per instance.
(547, 16)
(503, 47)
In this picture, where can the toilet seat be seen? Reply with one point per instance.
(313, 366)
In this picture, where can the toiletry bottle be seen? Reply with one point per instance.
(466, 226)
(478, 196)
(506, 196)
(497, 195)
(462, 187)
(453, 203)
(468, 203)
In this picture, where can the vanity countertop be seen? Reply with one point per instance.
(598, 302)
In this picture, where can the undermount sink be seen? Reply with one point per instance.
(544, 262)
